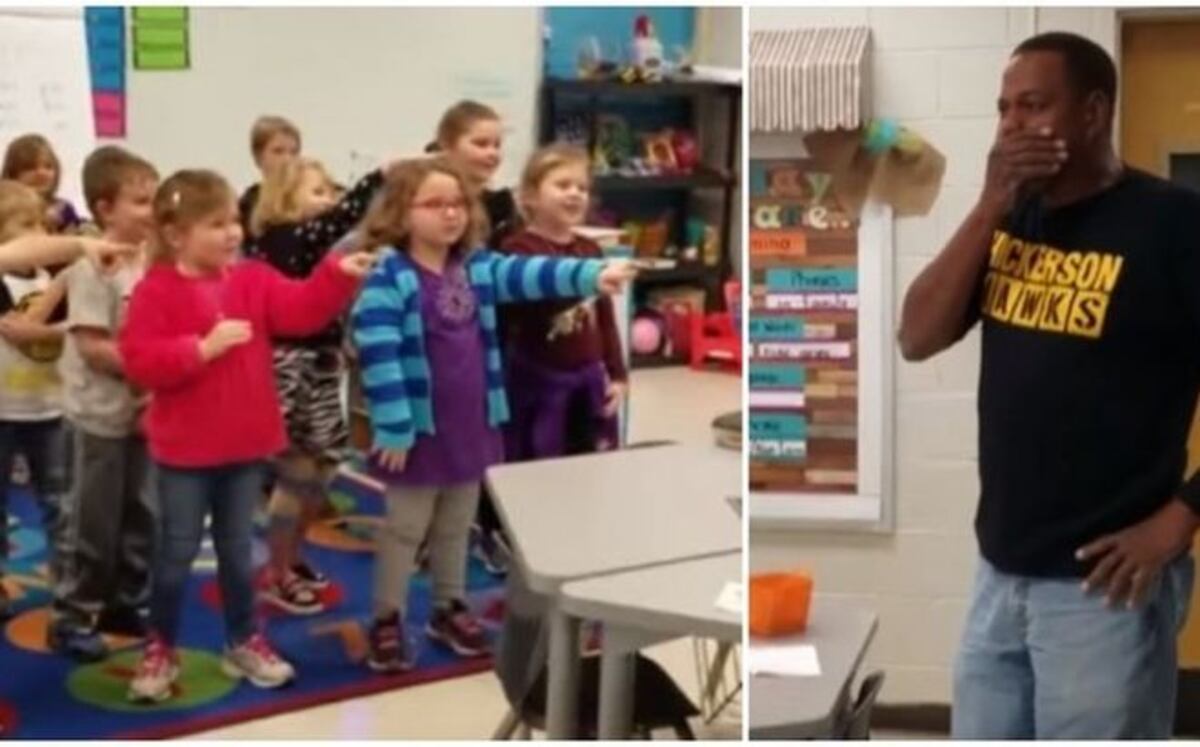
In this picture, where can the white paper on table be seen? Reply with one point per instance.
(790, 660)
(731, 598)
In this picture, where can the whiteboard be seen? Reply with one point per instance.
(362, 84)
(45, 87)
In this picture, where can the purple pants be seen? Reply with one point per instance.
(556, 413)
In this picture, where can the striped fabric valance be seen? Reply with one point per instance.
(803, 80)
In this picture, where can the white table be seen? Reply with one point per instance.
(643, 607)
(807, 707)
(587, 516)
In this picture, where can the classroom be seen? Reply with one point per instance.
(400, 375)
(972, 404)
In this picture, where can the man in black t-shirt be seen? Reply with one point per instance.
(1085, 276)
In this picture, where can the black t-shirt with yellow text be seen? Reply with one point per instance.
(1090, 372)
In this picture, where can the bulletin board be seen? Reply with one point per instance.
(821, 353)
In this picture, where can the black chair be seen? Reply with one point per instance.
(658, 703)
(856, 723)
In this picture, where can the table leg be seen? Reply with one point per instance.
(716, 671)
(618, 667)
(562, 697)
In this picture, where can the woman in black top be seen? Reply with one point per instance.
(470, 133)
(273, 141)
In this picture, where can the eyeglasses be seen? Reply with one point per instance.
(440, 205)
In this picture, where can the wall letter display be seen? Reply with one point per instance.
(817, 349)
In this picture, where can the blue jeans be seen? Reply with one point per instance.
(186, 497)
(1042, 660)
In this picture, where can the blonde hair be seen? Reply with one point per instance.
(17, 199)
(457, 120)
(25, 153)
(106, 171)
(267, 127)
(185, 198)
(277, 201)
(543, 161)
(386, 223)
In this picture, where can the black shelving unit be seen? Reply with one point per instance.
(701, 177)
(721, 176)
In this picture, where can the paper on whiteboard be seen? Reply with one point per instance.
(45, 88)
(790, 660)
(731, 598)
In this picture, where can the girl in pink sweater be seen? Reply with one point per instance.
(197, 338)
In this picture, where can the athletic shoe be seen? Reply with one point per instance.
(293, 596)
(156, 673)
(391, 651)
(491, 548)
(79, 643)
(311, 577)
(257, 662)
(457, 629)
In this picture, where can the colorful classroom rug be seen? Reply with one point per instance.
(44, 696)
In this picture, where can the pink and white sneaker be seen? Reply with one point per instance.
(156, 672)
(257, 661)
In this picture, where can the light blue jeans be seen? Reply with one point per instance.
(1041, 660)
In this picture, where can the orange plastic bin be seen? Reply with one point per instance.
(779, 603)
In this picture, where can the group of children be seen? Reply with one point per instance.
(197, 354)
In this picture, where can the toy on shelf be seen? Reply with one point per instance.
(590, 63)
(687, 152)
(678, 305)
(617, 149)
(711, 248)
(616, 146)
(660, 153)
(647, 51)
(588, 57)
(702, 242)
(652, 238)
(571, 128)
(683, 66)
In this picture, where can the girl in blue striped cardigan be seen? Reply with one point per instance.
(425, 327)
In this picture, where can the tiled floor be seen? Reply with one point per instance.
(666, 404)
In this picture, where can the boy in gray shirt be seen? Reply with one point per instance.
(112, 510)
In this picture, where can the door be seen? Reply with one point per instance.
(1160, 133)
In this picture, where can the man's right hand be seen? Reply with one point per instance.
(227, 334)
(1020, 159)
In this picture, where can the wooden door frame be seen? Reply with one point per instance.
(1187, 717)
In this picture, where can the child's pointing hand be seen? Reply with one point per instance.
(358, 264)
(615, 276)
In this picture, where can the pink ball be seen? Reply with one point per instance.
(645, 336)
(687, 153)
